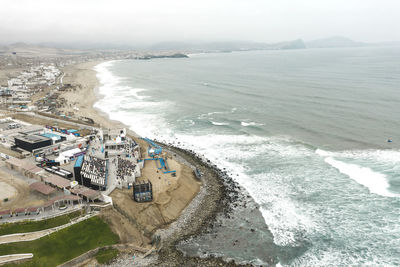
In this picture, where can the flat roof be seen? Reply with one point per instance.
(42, 188)
(30, 129)
(19, 210)
(33, 138)
(28, 166)
(15, 161)
(4, 212)
(90, 193)
(57, 181)
(33, 209)
(65, 197)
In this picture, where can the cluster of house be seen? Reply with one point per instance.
(17, 93)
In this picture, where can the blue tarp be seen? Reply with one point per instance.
(79, 161)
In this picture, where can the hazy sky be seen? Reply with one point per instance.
(149, 21)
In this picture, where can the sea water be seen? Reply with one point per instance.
(305, 132)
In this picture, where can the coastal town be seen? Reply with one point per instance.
(59, 162)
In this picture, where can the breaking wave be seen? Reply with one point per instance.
(303, 198)
(376, 182)
(251, 123)
(219, 123)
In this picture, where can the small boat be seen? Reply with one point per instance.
(389, 140)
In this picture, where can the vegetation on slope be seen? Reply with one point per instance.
(33, 226)
(65, 244)
(105, 256)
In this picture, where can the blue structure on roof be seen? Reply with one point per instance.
(52, 136)
(72, 131)
(153, 149)
(79, 161)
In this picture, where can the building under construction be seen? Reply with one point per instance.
(143, 191)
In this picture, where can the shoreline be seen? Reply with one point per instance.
(217, 194)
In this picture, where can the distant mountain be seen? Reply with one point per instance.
(37, 50)
(335, 41)
(296, 44)
(227, 46)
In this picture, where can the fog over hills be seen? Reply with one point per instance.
(60, 48)
(335, 41)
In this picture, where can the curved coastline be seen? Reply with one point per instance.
(219, 193)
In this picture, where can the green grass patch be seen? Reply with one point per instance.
(106, 255)
(33, 226)
(65, 244)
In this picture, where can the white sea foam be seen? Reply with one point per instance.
(135, 92)
(119, 100)
(323, 153)
(288, 221)
(219, 123)
(376, 182)
(209, 114)
(251, 123)
(392, 156)
(233, 152)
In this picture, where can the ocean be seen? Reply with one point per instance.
(305, 132)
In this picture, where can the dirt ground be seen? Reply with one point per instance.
(7, 191)
(42, 121)
(23, 197)
(171, 196)
(9, 152)
(121, 225)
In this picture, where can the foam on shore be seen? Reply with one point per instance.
(291, 175)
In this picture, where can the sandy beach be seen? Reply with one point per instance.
(184, 210)
(84, 77)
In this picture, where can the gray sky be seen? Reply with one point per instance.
(149, 21)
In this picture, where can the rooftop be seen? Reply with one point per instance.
(57, 181)
(32, 138)
(3, 212)
(42, 188)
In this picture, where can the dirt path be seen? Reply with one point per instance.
(22, 237)
(14, 257)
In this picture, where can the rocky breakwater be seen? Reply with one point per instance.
(219, 199)
(215, 211)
